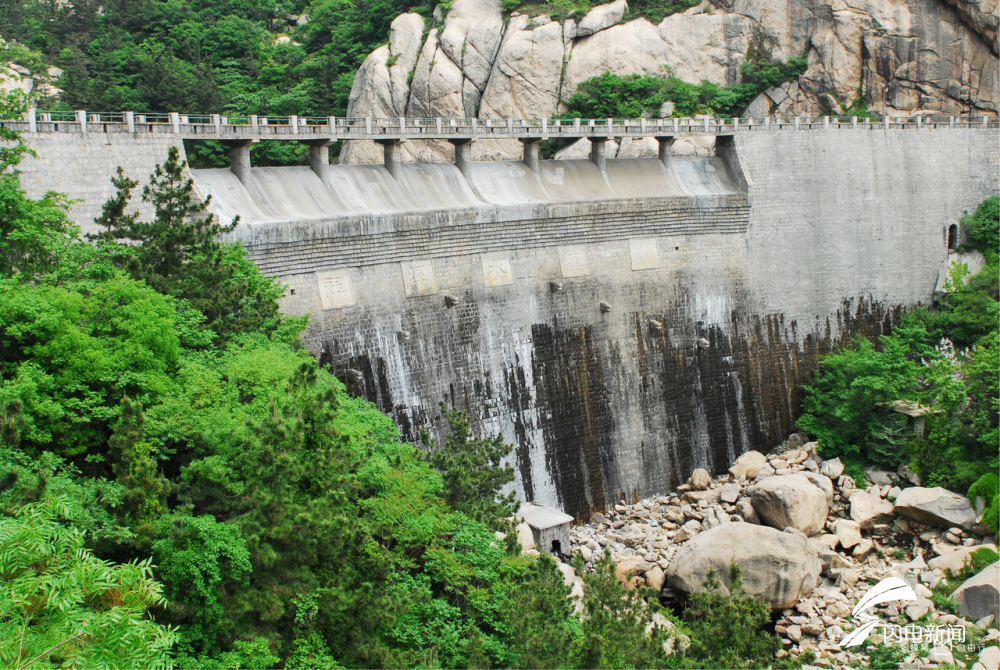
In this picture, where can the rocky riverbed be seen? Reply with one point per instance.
(811, 541)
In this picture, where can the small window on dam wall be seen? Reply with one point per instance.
(952, 237)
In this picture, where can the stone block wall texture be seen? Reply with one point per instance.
(82, 166)
(616, 382)
(616, 343)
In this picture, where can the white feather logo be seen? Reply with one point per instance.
(890, 588)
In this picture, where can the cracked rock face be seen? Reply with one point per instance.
(904, 56)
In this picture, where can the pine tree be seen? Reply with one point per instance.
(473, 471)
(179, 253)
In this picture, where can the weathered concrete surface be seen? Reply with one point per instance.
(619, 333)
(82, 167)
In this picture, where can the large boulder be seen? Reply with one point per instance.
(979, 596)
(790, 500)
(869, 510)
(935, 507)
(601, 18)
(700, 479)
(778, 567)
(748, 465)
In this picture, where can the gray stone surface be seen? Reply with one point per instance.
(935, 507)
(780, 568)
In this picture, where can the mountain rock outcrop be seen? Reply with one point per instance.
(903, 57)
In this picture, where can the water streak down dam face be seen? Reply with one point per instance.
(618, 328)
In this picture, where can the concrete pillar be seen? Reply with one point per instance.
(239, 159)
(81, 118)
(175, 121)
(463, 155)
(597, 152)
(32, 120)
(531, 152)
(390, 152)
(319, 156)
(666, 149)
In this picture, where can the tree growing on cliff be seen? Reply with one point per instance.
(179, 253)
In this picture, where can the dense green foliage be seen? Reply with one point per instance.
(62, 607)
(614, 96)
(473, 472)
(203, 494)
(943, 363)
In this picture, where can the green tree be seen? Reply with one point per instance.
(178, 253)
(60, 606)
(473, 471)
(622, 628)
(728, 631)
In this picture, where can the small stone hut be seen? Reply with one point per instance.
(549, 527)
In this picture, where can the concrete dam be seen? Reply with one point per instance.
(620, 322)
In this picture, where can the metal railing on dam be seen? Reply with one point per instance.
(330, 129)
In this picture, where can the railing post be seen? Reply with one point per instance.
(798, 119)
(642, 125)
(175, 120)
(437, 125)
(826, 121)
(293, 122)
(706, 124)
(254, 124)
(886, 121)
(609, 124)
(217, 123)
(402, 125)
(332, 122)
(81, 118)
(767, 123)
(854, 122)
(736, 123)
(368, 125)
(951, 122)
(920, 122)
(986, 121)
(576, 125)
(676, 124)
(30, 117)
(545, 127)
(475, 125)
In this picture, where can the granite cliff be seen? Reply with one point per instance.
(904, 57)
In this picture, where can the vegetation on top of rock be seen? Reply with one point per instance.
(615, 96)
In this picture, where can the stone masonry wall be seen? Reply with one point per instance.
(686, 363)
(82, 166)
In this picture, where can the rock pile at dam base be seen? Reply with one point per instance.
(810, 541)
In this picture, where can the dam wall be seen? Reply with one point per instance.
(82, 165)
(619, 327)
